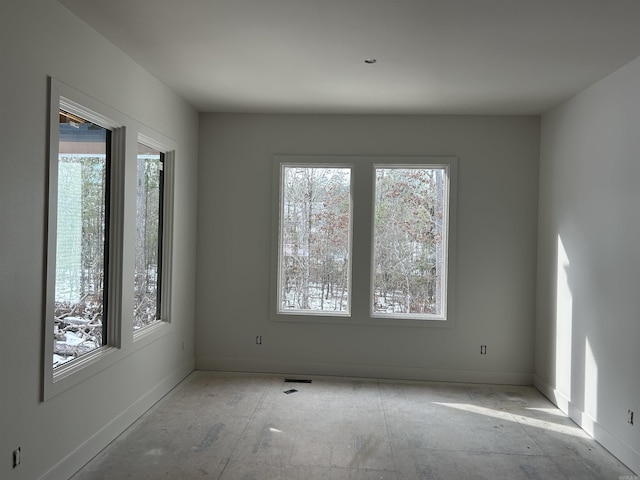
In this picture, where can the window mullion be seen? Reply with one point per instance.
(361, 239)
(116, 235)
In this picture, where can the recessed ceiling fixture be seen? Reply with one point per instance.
(370, 61)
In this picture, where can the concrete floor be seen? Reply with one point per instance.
(243, 426)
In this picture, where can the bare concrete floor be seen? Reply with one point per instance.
(244, 426)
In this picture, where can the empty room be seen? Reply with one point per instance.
(320, 239)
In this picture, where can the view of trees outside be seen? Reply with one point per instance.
(80, 238)
(148, 237)
(409, 241)
(315, 240)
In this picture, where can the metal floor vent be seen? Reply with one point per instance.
(297, 380)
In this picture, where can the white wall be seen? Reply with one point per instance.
(588, 302)
(39, 38)
(496, 230)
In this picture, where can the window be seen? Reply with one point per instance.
(315, 239)
(410, 241)
(364, 239)
(81, 238)
(83, 318)
(109, 238)
(153, 234)
(149, 216)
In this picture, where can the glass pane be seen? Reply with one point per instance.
(409, 241)
(81, 237)
(148, 237)
(315, 239)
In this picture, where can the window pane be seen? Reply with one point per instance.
(315, 239)
(410, 241)
(148, 237)
(81, 238)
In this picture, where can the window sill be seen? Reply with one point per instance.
(80, 369)
(373, 320)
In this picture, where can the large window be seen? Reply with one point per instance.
(83, 315)
(410, 241)
(364, 239)
(109, 238)
(315, 239)
(81, 237)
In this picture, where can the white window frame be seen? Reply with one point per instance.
(320, 313)
(362, 215)
(60, 378)
(445, 247)
(121, 340)
(166, 147)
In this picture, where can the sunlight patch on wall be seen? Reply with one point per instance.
(564, 318)
(590, 383)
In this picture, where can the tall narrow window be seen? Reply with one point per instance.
(410, 241)
(81, 248)
(315, 240)
(149, 215)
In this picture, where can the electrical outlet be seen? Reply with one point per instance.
(258, 339)
(630, 417)
(16, 457)
(483, 349)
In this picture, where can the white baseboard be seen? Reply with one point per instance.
(623, 452)
(232, 364)
(73, 462)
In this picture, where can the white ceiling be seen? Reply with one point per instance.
(433, 56)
